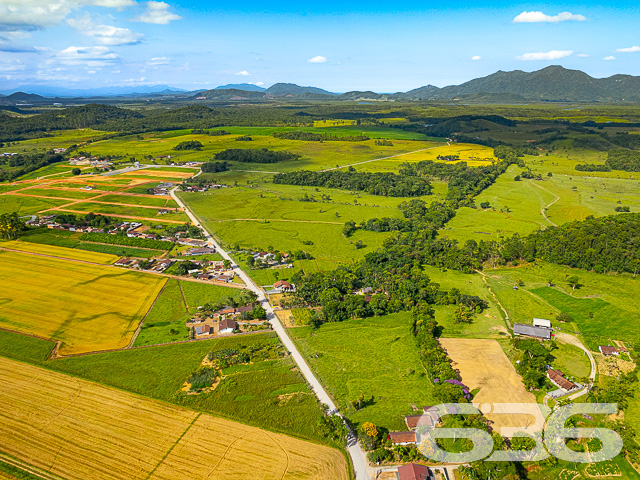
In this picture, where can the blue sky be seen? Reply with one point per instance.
(339, 46)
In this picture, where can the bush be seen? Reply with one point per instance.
(189, 145)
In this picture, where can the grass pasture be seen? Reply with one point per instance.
(341, 353)
(76, 428)
(86, 307)
(27, 205)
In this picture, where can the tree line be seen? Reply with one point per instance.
(385, 184)
(319, 137)
(255, 155)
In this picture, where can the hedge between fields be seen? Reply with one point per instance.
(126, 241)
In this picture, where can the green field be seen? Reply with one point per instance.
(134, 200)
(27, 205)
(165, 321)
(249, 396)
(571, 360)
(606, 297)
(128, 211)
(54, 193)
(341, 354)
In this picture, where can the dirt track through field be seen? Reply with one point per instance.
(484, 365)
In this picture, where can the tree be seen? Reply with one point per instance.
(573, 281)
(10, 225)
(76, 171)
(226, 263)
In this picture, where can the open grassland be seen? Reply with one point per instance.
(515, 208)
(56, 139)
(61, 252)
(483, 365)
(341, 355)
(249, 394)
(268, 276)
(315, 155)
(571, 360)
(24, 348)
(166, 319)
(600, 309)
(76, 428)
(86, 307)
(27, 205)
(488, 324)
(124, 211)
(293, 203)
(155, 201)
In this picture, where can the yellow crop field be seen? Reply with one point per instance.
(62, 252)
(87, 307)
(474, 155)
(78, 430)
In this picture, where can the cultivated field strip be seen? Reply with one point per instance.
(81, 430)
(86, 306)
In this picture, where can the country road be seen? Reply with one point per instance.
(357, 454)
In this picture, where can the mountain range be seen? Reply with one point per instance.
(550, 84)
(553, 83)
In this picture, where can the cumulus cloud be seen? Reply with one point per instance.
(243, 73)
(318, 59)
(87, 56)
(633, 49)
(539, 17)
(552, 55)
(258, 84)
(609, 58)
(476, 58)
(105, 34)
(157, 12)
(38, 14)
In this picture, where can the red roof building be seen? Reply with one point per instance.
(413, 471)
(402, 438)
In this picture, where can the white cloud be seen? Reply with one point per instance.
(539, 17)
(243, 73)
(583, 55)
(258, 84)
(318, 59)
(158, 61)
(87, 56)
(11, 66)
(552, 55)
(476, 58)
(157, 12)
(105, 34)
(37, 14)
(633, 49)
(609, 58)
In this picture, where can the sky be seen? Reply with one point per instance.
(335, 45)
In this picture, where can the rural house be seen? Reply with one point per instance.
(557, 378)
(413, 471)
(226, 325)
(608, 351)
(402, 438)
(202, 330)
(282, 286)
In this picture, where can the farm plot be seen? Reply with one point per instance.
(86, 307)
(484, 365)
(78, 429)
(61, 252)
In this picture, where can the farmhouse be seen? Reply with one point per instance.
(428, 418)
(283, 286)
(225, 278)
(542, 323)
(557, 378)
(402, 438)
(531, 331)
(413, 471)
(192, 242)
(122, 262)
(226, 325)
(202, 330)
(608, 351)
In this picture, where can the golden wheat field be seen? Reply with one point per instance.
(62, 252)
(79, 430)
(87, 307)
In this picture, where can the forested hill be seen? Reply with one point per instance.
(602, 244)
